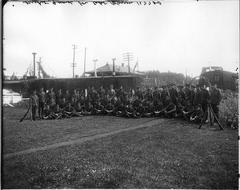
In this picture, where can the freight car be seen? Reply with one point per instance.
(25, 87)
(223, 79)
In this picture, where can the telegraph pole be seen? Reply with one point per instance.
(34, 56)
(39, 62)
(128, 57)
(74, 64)
(85, 57)
(113, 59)
(95, 70)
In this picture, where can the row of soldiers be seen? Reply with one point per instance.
(188, 102)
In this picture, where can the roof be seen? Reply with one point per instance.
(109, 68)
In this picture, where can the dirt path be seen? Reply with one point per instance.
(83, 139)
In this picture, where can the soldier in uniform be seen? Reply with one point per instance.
(34, 103)
(197, 96)
(101, 92)
(215, 99)
(67, 96)
(48, 113)
(148, 108)
(197, 114)
(88, 108)
(204, 98)
(187, 110)
(59, 96)
(173, 93)
(79, 110)
(129, 110)
(98, 107)
(137, 106)
(42, 101)
(148, 95)
(119, 109)
(68, 110)
(170, 109)
(109, 108)
(181, 94)
(58, 113)
(63, 103)
(139, 93)
(187, 92)
(51, 99)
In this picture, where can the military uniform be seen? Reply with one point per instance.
(34, 103)
(215, 98)
(196, 115)
(42, 101)
(170, 109)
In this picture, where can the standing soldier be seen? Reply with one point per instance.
(139, 93)
(215, 99)
(42, 101)
(187, 92)
(204, 98)
(204, 102)
(197, 97)
(67, 96)
(34, 104)
(59, 96)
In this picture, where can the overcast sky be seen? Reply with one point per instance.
(174, 36)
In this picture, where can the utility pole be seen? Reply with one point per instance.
(95, 70)
(113, 59)
(74, 64)
(85, 57)
(128, 57)
(39, 62)
(34, 56)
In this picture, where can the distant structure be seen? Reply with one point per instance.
(41, 72)
(111, 70)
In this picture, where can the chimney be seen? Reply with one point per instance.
(34, 55)
(114, 66)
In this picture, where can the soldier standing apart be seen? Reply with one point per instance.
(205, 98)
(215, 99)
(34, 104)
(42, 101)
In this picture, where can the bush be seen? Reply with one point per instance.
(228, 108)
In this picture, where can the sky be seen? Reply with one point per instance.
(177, 36)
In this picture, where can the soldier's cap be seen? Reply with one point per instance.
(198, 85)
(193, 86)
(187, 84)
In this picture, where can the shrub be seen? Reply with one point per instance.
(228, 108)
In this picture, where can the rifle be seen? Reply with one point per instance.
(26, 112)
(210, 113)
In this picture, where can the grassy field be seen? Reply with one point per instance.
(170, 154)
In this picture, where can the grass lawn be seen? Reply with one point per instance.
(29, 134)
(171, 154)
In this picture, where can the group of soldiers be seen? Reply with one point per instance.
(170, 101)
